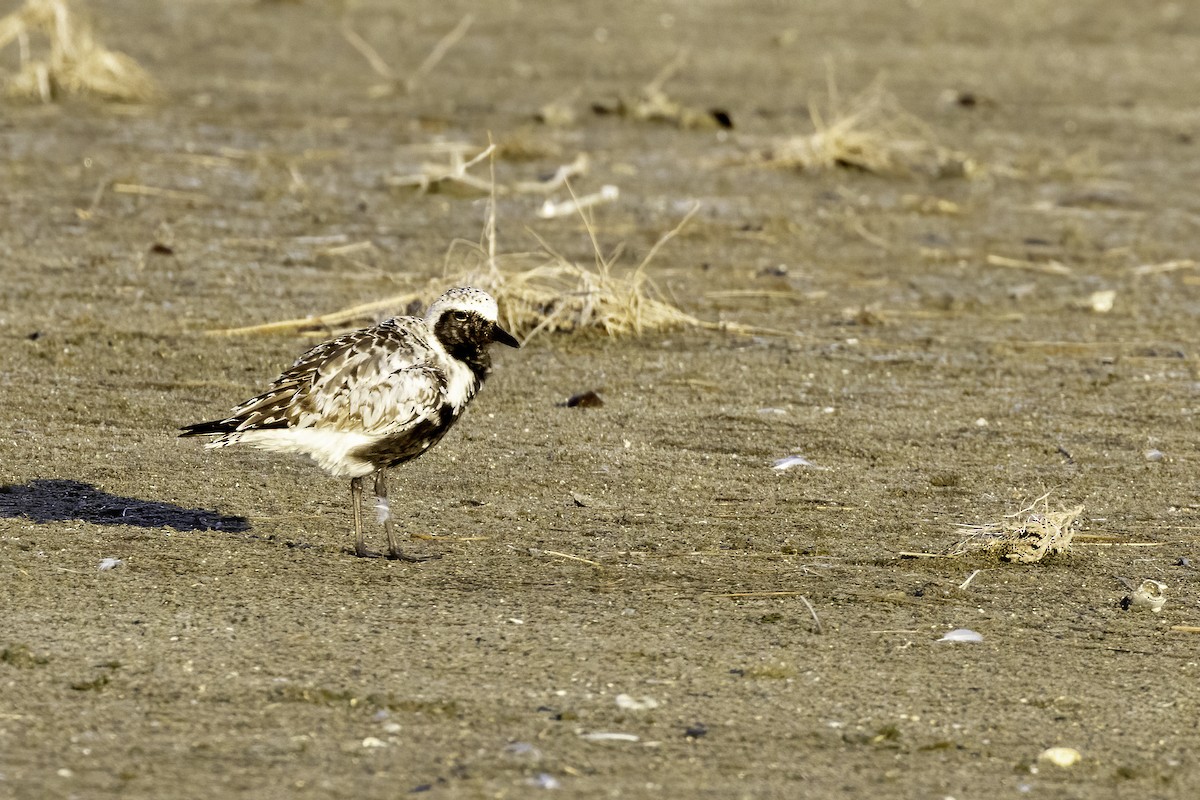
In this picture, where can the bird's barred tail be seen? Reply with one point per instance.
(214, 427)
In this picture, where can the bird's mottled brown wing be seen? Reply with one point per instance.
(377, 380)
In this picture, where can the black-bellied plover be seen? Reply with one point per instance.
(374, 398)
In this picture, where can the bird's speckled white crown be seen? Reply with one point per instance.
(464, 298)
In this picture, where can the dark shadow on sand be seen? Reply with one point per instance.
(57, 500)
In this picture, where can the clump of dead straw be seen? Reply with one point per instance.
(870, 132)
(554, 295)
(560, 296)
(1024, 536)
(57, 55)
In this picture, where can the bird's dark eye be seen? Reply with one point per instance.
(460, 316)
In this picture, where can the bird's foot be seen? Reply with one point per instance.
(396, 554)
(362, 551)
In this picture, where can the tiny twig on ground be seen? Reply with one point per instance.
(569, 557)
(758, 594)
(970, 578)
(455, 172)
(384, 70)
(1047, 267)
(368, 52)
(816, 620)
(154, 191)
(439, 51)
(1166, 266)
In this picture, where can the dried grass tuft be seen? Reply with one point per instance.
(59, 55)
(560, 296)
(872, 133)
(554, 295)
(1024, 536)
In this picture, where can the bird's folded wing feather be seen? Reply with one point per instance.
(375, 381)
(375, 403)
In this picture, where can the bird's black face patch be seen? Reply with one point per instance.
(466, 336)
(459, 330)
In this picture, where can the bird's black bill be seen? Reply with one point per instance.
(504, 337)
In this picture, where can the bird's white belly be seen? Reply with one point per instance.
(330, 448)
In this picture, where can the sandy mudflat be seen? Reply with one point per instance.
(944, 363)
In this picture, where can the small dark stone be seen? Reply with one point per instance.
(588, 399)
(92, 685)
(696, 731)
(722, 118)
(158, 248)
(33, 337)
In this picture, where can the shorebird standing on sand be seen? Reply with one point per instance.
(374, 398)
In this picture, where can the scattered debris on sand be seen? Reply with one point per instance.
(555, 295)
(1024, 536)
(653, 104)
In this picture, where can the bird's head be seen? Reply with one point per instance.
(465, 317)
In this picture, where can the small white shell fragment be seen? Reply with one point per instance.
(1102, 302)
(544, 780)
(1151, 594)
(371, 741)
(550, 209)
(110, 563)
(523, 749)
(1154, 455)
(605, 736)
(787, 462)
(962, 635)
(1060, 756)
(628, 703)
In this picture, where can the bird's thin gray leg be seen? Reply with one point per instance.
(394, 550)
(360, 546)
(381, 493)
